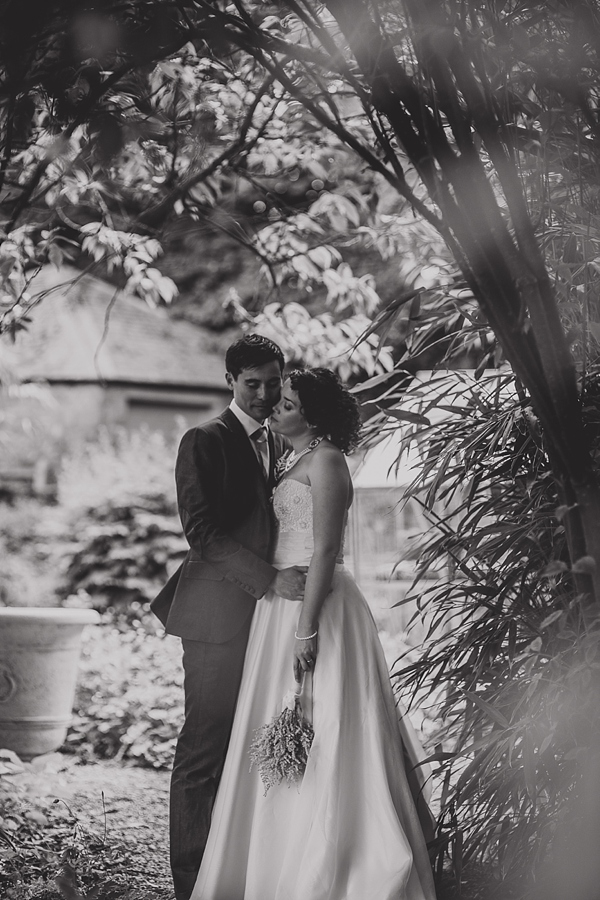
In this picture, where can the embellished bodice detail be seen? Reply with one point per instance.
(293, 508)
(292, 505)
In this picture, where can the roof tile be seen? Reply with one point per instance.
(86, 330)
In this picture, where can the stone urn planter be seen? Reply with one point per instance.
(39, 653)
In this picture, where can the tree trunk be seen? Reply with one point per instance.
(505, 270)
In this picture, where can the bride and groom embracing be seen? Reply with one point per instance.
(262, 601)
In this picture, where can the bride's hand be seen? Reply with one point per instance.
(305, 656)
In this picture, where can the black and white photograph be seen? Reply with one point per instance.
(299, 450)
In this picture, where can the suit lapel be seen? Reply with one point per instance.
(272, 460)
(248, 456)
(275, 451)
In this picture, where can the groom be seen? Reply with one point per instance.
(224, 475)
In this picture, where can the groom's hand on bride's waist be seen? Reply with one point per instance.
(289, 583)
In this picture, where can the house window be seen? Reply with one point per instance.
(383, 527)
(167, 414)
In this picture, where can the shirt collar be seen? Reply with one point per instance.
(249, 424)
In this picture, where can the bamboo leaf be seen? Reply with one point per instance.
(373, 382)
(556, 567)
(438, 756)
(487, 708)
(529, 766)
(585, 565)
(553, 617)
(404, 415)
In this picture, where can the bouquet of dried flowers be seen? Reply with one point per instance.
(280, 750)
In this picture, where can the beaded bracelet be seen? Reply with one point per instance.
(309, 638)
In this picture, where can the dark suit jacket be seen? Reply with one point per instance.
(225, 509)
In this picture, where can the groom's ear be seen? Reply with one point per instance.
(229, 379)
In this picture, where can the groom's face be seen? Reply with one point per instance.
(256, 391)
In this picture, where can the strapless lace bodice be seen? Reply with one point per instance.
(292, 504)
(293, 508)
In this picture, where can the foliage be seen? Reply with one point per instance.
(426, 85)
(123, 555)
(118, 498)
(61, 123)
(111, 539)
(49, 854)
(110, 542)
(318, 340)
(23, 439)
(119, 465)
(129, 702)
(124, 142)
(481, 118)
(29, 545)
(511, 648)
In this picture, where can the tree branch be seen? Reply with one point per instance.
(83, 114)
(156, 213)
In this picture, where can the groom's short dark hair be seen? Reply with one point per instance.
(251, 351)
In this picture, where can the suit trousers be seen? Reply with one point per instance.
(212, 676)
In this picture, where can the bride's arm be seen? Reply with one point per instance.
(330, 483)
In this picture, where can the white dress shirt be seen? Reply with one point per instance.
(250, 425)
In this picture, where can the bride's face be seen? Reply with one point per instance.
(287, 418)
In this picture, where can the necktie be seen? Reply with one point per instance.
(259, 437)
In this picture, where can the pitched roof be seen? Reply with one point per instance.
(85, 330)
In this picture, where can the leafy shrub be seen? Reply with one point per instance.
(118, 498)
(129, 702)
(113, 536)
(110, 542)
(124, 556)
(119, 468)
(511, 648)
(29, 552)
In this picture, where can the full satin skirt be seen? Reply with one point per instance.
(349, 829)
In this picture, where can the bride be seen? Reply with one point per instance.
(349, 829)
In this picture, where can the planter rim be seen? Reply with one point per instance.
(55, 615)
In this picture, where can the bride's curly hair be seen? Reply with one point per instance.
(327, 404)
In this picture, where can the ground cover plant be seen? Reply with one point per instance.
(93, 844)
(129, 701)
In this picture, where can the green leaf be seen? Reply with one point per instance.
(487, 708)
(556, 567)
(438, 756)
(561, 511)
(585, 565)
(372, 382)
(403, 415)
(529, 766)
(553, 617)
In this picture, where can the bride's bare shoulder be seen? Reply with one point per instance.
(327, 461)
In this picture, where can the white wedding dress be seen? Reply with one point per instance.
(349, 829)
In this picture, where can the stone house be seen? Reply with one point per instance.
(94, 357)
